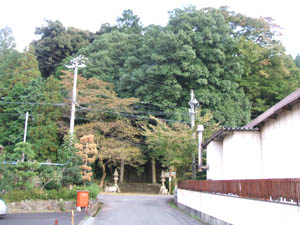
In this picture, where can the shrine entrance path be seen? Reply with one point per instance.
(122, 209)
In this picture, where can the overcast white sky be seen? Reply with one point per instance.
(23, 16)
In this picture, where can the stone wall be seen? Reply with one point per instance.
(46, 206)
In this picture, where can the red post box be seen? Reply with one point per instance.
(82, 198)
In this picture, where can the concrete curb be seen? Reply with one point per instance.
(89, 221)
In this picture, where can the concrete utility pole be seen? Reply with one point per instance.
(193, 104)
(25, 134)
(76, 62)
(25, 129)
(200, 129)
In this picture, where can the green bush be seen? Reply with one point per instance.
(93, 189)
(20, 195)
(62, 193)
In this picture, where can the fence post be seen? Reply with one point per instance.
(72, 217)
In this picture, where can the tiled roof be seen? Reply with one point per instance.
(222, 132)
(276, 109)
(254, 124)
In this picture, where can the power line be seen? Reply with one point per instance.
(84, 108)
(51, 55)
(33, 103)
(126, 114)
(135, 111)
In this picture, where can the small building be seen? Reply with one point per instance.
(267, 147)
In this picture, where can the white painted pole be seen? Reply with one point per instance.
(200, 129)
(193, 103)
(73, 99)
(25, 129)
(77, 62)
(192, 109)
(25, 134)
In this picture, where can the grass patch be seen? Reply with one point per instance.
(172, 204)
(99, 206)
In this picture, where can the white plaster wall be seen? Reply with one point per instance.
(242, 155)
(214, 154)
(281, 145)
(238, 156)
(239, 211)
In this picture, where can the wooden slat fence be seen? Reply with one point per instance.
(266, 189)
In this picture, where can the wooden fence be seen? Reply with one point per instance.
(266, 189)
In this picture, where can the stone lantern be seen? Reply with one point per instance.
(116, 177)
(163, 189)
(115, 187)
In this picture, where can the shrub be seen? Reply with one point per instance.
(93, 189)
(62, 193)
(20, 195)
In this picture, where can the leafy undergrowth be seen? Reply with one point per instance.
(62, 193)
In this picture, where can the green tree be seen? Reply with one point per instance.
(108, 54)
(24, 86)
(113, 135)
(98, 102)
(268, 73)
(129, 22)
(67, 156)
(8, 58)
(22, 148)
(195, 51)
(57, 43)
(23, 172)
(7, 40)
(117, 143)
(96, 98)
(46, 130)
(30, 93)
(297, 61)
(173, 144)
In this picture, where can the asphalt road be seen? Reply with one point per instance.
(64, 218)
(141, 210)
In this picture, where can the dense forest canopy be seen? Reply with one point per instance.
(234, 63)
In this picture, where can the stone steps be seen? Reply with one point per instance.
(139, 188)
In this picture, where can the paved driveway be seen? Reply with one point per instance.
(140, 210)
(63, 218)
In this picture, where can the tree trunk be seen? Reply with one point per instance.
(153, 171)
(103, 175)
(122, 171)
